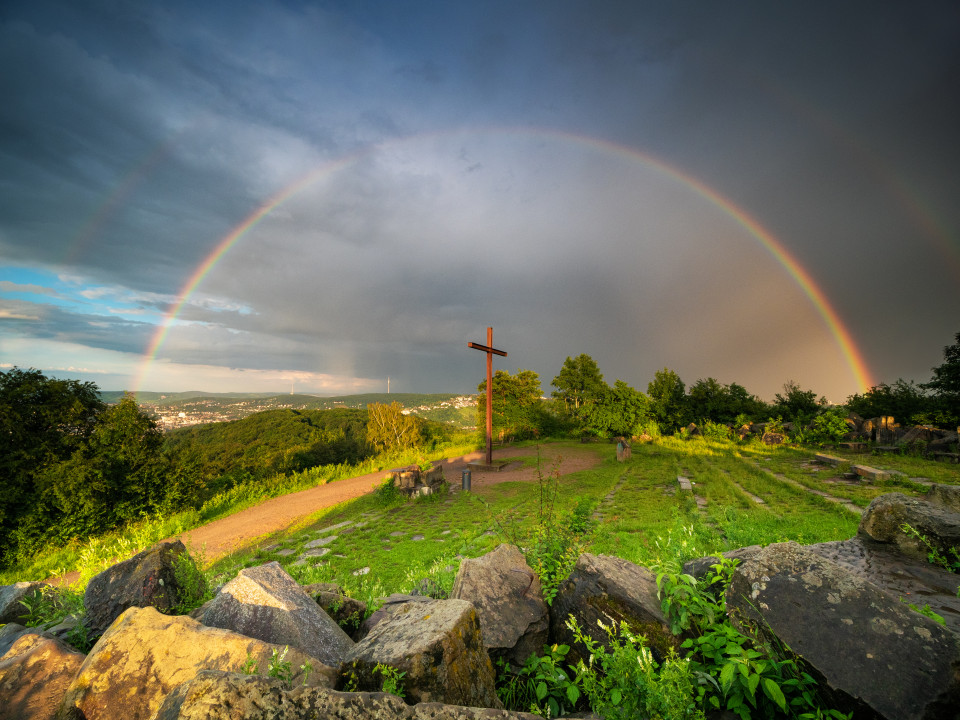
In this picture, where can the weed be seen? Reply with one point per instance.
(249, 666)
(925, 610)
(281, 668)
(387, 493)
(621, 680)
(193, 587)
(554, 542)
(306, 668)
(543, 685)
(392, 679)
(934, 556)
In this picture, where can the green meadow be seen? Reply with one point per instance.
(635, 510)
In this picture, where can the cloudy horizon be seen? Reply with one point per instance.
(263, 196)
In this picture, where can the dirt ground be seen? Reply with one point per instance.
(242, 529)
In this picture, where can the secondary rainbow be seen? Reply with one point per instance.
(858, 366)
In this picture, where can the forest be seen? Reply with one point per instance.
(73, 467)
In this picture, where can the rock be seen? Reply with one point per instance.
(438, 644)
(886, 515)
(11, 609)
(144, 655)
(347, 612)
(870, 654)
(34, 675)
(264, 602)
(947, 496)
(611, 590)
(217, 695)
(145, 580)
(9, 634)
(772, 438)
(390, 604)
(506, 593)
(900, 576)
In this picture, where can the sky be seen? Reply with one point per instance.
(256, 196)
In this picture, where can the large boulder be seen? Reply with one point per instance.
(870, 654)
(912, 579)
(265, 603)
(947, 496)
(513, 617)
(613, 591)
(144, 655)
(886, 516)
(217, 695)
(145, 580)
(438, 644)
(11, 607)
(390, 604)
(34, 676)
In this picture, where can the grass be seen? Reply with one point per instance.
(641, 515)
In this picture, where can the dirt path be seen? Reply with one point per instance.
(242, 529)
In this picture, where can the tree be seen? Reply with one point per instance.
(580, 381)
(667, 399)
(43, 421)
(904, 400)
(621, 411)
(389, 429)
(797, 404)
(710, 400)
(516, 403)
(945, 382)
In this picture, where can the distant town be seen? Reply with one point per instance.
(177, 410)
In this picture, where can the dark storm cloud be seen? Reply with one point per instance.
(135, 137)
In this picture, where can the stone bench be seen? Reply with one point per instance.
(854, 446)
(946, 457)
(870, 473)
(825, 459)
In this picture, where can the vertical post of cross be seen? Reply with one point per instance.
(490, 351)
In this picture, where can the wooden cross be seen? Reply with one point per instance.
(490, 351)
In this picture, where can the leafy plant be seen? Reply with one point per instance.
(280, 667)
(543, 685)
(554, 542)
(925, 610)
(622, 680)
(194, 589)
(387, 493)
(950, 561)
(249, 666)
(392, 679)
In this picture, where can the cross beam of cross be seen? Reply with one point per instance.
(490, 351)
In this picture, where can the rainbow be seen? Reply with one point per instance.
(854, 359)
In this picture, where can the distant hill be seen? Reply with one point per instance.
(305, 402)
(174, 410)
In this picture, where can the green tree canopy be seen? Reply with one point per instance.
(904, 400)
(580, 381)
(516, 403)
(945, 383)
(621, 410)
(667, 400)
(388, 428)
(796, 403)
(711, 400)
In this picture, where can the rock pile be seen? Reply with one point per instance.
(264, 647)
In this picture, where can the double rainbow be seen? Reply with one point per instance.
(854, 359)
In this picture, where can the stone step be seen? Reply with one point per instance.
(870, 473)
(685, 483)
(825, 459)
